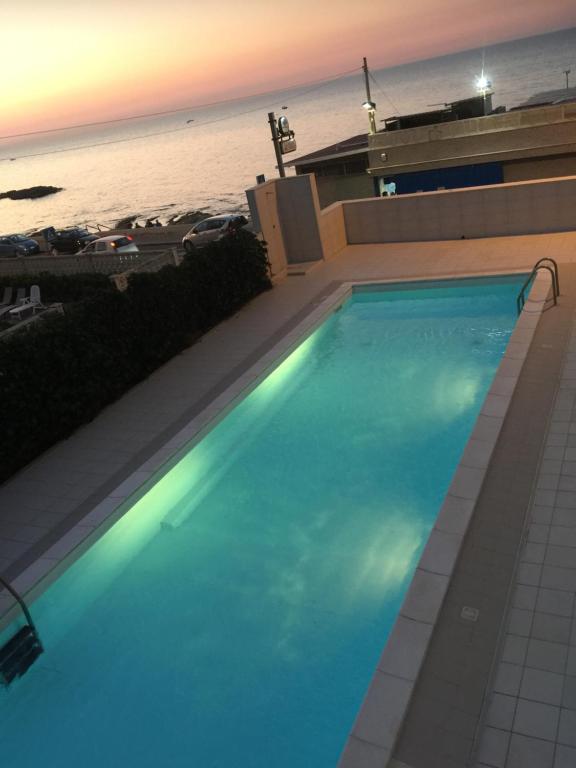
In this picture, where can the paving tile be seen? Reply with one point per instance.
(524, 597)
(558, 578)
(547, 498)
(547, 626)
(569, 692)
(508, 677)
(527, 752)
(493, 747)
(565, 482)
(545, 687)
(533, 553)
(529, 574)
(536, 719)
(361, 754)
(538, 533)
(565, 499)
(563, 536)
(551, 466)
(565, 757)
(555, 601)
(560, 556)
(567, 729)
(571, 661)
(514, 650)
(541, 514)
(383, 710)
(520, 621)
(565, 517)
(544, 655)
(501, 711)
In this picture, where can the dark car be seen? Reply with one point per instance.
(8, 249)
(68, 240)
(27, 244)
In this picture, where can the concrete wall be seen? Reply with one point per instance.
(298, 212)
(512, 135)
(334, 188)
(503, 209)
(333, 230)
(539, 168)
(288, 211)
(263, 204)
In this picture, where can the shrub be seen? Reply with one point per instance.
(60, 373)
(62, 288)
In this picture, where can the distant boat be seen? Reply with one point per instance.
(190, 121)
(284, 107)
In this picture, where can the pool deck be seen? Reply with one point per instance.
(41, 505)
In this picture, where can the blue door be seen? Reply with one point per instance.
(447, 178)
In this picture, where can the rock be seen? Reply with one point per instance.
(126, 223)
(192, 217)
(31, 193)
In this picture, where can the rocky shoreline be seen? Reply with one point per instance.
(136, 222)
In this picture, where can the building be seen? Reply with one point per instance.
(340, 170)
(463, 144)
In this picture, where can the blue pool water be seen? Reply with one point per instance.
(234, 616)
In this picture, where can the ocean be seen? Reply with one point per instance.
(204, 158)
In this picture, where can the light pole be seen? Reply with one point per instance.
(369, 105)
(276, 142)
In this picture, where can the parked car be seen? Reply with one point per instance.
(212, 229)
(8, 249)
(112, 245)
(27, 244)
(68, 240)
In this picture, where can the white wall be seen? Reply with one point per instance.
(520, 208)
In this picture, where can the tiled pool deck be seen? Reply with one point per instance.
(42, 503)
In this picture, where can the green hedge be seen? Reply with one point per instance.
(62, 288)
(60, 373)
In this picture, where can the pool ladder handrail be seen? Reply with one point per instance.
(521, 298)
(23, 648)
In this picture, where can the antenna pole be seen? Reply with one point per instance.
(276, 142)
(372, 108)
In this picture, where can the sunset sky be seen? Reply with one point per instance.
(74, 61)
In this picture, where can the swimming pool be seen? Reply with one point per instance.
(235, 614)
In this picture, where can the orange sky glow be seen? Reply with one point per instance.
(75, 61)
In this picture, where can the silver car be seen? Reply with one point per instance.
(212, 229)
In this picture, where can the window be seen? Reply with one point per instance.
(215, 224)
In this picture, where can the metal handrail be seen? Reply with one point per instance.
(24, 607)
(521, 298)
(547, 258)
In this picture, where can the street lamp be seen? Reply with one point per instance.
(369, 105)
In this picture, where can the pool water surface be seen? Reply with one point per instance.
(235, 614)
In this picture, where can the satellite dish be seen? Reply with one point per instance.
(283, 126)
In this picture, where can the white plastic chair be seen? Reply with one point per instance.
(32, 302)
